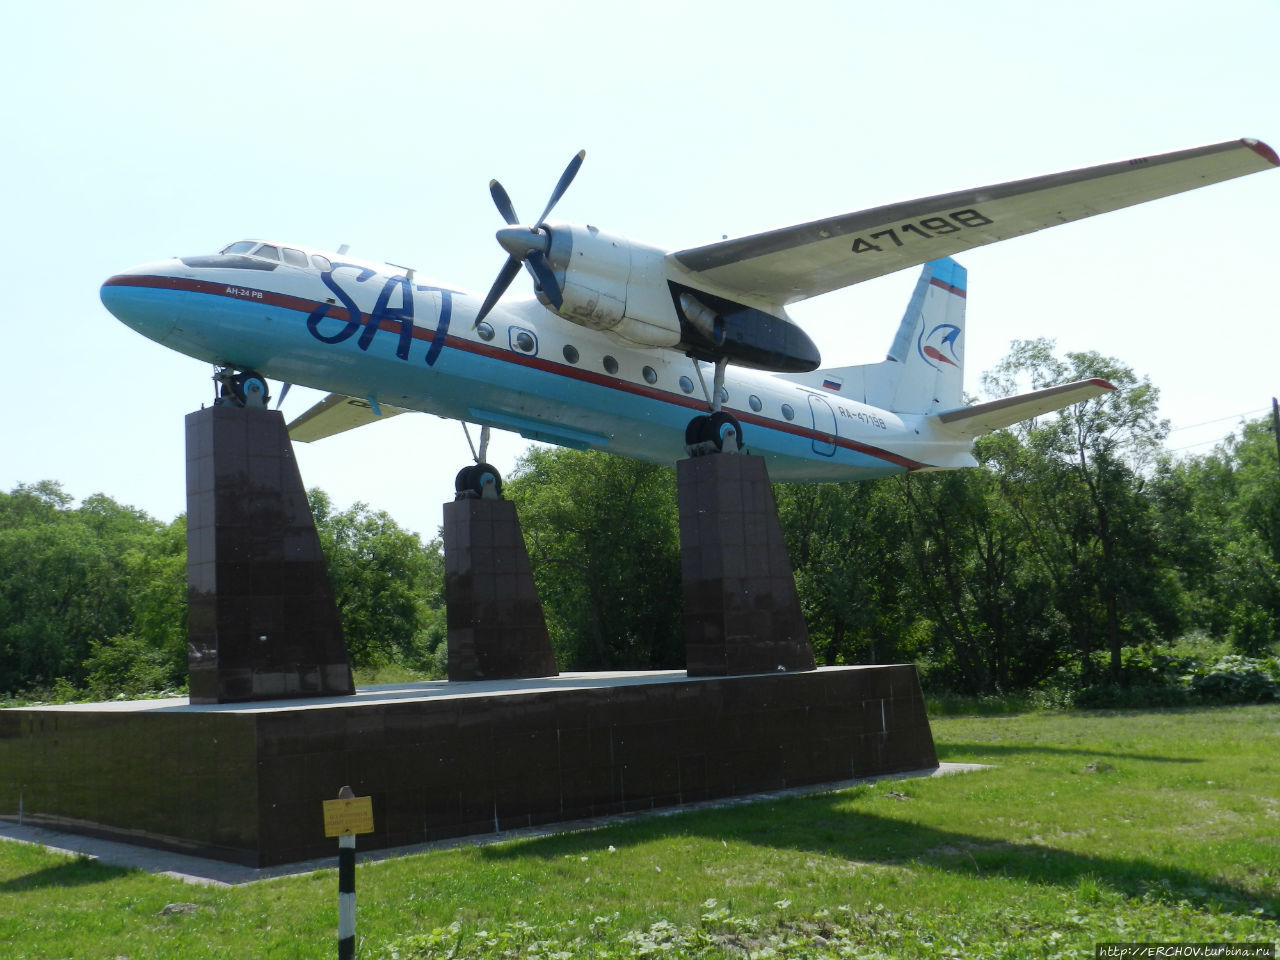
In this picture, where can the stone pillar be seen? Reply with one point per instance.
(495, 623)
(262, 624)
(741, 611)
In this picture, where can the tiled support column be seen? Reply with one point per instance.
(741, 611)
(495, 622)
(262, 624)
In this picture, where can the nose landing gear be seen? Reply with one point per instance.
(248, 388)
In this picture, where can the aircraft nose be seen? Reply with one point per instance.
(140, 297)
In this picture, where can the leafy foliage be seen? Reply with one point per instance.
(604, 543)
(388, 586)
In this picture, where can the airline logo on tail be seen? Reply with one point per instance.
(946, 336)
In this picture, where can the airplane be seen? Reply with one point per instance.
(615, 349)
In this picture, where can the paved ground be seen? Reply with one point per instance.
(217, 873)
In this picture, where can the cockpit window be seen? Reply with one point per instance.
(267, 252)
(240, 246)
(321, 263)
(295, 258)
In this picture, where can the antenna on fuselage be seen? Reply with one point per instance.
(343, 248)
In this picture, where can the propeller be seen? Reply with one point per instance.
(527, 245)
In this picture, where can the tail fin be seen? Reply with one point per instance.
(930, 342)
(924, 371)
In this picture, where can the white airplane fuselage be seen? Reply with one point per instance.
(413, 345)
(603, 358)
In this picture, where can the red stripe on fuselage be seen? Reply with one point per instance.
(304, 305)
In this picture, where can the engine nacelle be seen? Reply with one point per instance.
(608, 282)
(611, 283)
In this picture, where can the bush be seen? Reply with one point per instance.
(125, 665)
(1252, 629)
(1236, 679)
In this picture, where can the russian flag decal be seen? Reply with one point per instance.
(832, 383)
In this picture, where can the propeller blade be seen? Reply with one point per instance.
(566, 178)
(284, 392)
(503, 202)
(545, 276)
(508, 273)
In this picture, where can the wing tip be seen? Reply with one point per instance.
(1104, 384)
(1262, 150)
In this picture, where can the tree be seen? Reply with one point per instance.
(388, 586)
(844, 541)
(72, 577)
(603, 540)
(1076, 478)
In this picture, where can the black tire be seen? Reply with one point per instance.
(693, 433)
(471, 480)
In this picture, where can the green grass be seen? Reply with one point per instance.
(1092, 826)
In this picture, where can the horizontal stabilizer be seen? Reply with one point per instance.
(337, 414)
(983, 418)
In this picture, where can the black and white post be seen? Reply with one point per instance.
(346, 890)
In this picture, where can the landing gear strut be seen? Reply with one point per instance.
(716, 432)
(248, 388)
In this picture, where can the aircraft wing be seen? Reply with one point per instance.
(802, 261)
(984, 418)
(337, 414)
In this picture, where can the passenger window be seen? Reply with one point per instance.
(610, 364)
(788, 411)
(570, 353)
(240, 246)
(755, 403)
(686, 385)
(267, 252)
(523, 341)
(485, 330)
(650, 375)
(321, 263)
(295, 258)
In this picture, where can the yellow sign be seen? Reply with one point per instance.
(348, 816)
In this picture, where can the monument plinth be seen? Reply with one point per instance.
(496, 630)
(262, 623)
(741, 610)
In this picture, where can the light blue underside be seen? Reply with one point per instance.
(540, 404)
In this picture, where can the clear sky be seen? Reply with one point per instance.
(142, 130)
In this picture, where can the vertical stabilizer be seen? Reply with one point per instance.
(930, 343)
(924, 370)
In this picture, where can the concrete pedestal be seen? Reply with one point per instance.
(246, 783)
(741, 611)
(495, 623)
(262, 622)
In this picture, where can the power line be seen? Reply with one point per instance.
(1233, 416)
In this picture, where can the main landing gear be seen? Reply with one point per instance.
(478, 481)
(716, 432)
(481, 480)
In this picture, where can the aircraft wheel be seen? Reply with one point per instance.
(694, 433)
(249, 389)
(479, 480)
(724, 431)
